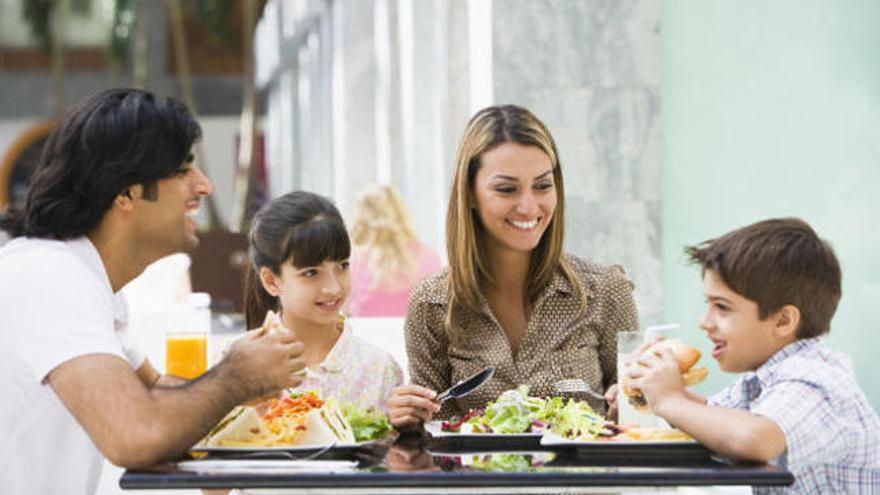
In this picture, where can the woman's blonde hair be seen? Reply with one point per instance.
(382, 227)
(465, 236)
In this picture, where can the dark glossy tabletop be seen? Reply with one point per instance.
(419, 462)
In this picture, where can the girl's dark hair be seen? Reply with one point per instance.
(300, 226)
(111, 141)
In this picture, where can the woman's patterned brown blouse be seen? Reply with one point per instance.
(561, 341)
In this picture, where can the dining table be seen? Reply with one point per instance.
(419, 463)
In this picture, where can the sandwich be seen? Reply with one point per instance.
(325, 426)
(272, 324)
(298, 420)
(686, 356)
(306, 419)
(241, 427)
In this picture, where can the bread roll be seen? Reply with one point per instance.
(685, 354)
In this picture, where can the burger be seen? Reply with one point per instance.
(686, 355)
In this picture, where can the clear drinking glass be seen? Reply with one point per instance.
(627, 345)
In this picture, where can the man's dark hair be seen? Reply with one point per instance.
(110, 142)
(774, 263)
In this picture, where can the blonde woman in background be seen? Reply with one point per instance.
(510, 298)
(387, 260)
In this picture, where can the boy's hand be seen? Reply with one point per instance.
(630, 358)
(658, 376)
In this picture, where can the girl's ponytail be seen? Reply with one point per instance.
(256, 300)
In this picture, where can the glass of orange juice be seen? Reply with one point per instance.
(186, 346)
(186, 354)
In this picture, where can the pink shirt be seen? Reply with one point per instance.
(354, 371)
(367, 300)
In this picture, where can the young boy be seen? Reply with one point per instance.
(771, 289)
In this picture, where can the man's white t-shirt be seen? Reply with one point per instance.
(56, 304)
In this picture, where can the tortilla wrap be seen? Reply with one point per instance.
(325, 426)
(241, 425)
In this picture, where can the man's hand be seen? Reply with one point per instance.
(410, 406)
(262, 364)
(136, 424)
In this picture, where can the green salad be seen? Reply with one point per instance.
(366, 424)
(515, 463)
(515, 411)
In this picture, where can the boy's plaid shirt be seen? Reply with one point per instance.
(832, 432)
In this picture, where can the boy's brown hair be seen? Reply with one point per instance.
(777, 262)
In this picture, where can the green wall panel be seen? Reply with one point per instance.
(773, 109)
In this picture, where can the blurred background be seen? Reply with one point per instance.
(676, 120)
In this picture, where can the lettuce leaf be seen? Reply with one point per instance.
(366, 424)
(503, 462)
(577, 421)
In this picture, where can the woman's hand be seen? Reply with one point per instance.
(410, 406)
(611, 399)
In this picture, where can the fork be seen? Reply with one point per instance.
(285, 454)
(576, 385)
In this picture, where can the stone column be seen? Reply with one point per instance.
(590, 71)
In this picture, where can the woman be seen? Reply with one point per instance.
(388, 259)
(510, 297)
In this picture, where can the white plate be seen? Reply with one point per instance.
(436, 431)
(629, 449)
(265, 466)
(297, 449)
(553, 440)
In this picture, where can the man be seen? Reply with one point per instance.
(115, 190)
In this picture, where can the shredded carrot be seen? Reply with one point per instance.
(289, 407)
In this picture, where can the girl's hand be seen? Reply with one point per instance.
(410, 406)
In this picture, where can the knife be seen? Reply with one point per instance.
(467, 385)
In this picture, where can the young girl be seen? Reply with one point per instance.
(299, 251)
